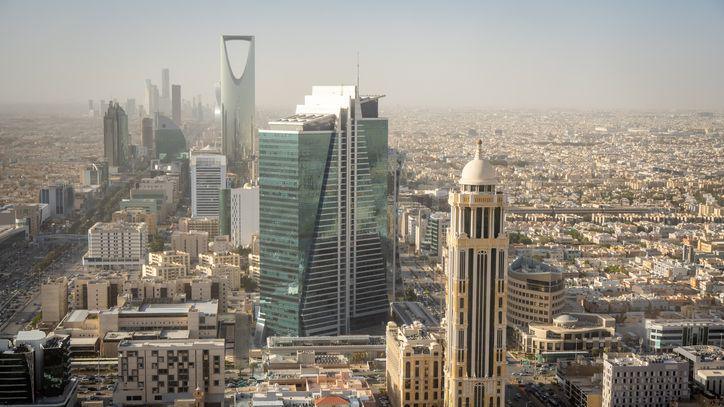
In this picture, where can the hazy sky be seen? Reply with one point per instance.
(521, 54)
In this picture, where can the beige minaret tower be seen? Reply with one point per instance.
(476, 290)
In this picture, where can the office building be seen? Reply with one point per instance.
(414, 366)
(137, 215)
(208, 225)
(323, 270)
(147, 135)
(54, 300)
(193, 242)
(176, 104)
(60, 199)
(208, 177)
(536, 293)
(169, 139)
(35, 371)
(569, 335)
(165, 88)
(238, 101)
(32, 215)
(437, 225)
(152, 98)
(116, 141)
(95, 173)
(476, 289)
(161, 372)
(116, 244)
(663, 335)
(580, 381)
(631, 380)
(243, 214)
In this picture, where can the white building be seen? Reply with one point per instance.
(116, 244)
(208, 177)
(244, 214)
(667, 334)
(159, 372)
(641, 381)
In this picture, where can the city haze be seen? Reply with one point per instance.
(621, 55)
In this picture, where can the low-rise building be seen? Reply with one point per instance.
(571, 334)
(663, 335)
(644, 380)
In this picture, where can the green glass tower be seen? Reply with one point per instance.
(323, 191)
(225, 211)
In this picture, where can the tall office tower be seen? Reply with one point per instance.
(91, 110)
(165, 84)
(476, 290)
(237, 101)
(116, 142)
(54, 300)
(208, 177)
(176, 104)
(131, 107)
(323, 194)
(103, 106)
(147, 134)
(152, 98)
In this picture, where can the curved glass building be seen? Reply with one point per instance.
(237, 99)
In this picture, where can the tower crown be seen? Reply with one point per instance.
(478, 171)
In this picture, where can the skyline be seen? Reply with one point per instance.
(648, 55)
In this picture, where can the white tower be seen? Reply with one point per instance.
(476, 290)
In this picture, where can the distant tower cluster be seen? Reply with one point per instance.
(237, 103)
(476, 290)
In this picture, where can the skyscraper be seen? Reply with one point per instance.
(116, 142)
(176, 104)
(208, 177)
(476, 290)
(165, 83)
(152, 98)
(323, 191)
(237, 100)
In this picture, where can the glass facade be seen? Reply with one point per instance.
(323, 216)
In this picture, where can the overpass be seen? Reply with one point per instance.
(609, 210)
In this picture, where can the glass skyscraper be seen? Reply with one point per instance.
(323, 191)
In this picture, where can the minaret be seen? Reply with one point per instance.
(476, 290)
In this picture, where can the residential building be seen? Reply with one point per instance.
(208, 225)
(243, 214)
(633, 380)
(476, 289)
(159, 372)
(323, 269)
(168, 265)
(193, 242)
(116, 244)
(414, 366)
(137, 215)
(54, 300)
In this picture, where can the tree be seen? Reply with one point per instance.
(157, 244)
(516, 237)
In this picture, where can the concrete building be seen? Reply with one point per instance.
(160, 372)
(701, 357)
(137, 215)
(168, 265)
(244, 214)
(323, 269)
(59, 198)
(97, 293)
(54, 300)
(476, 289)
(663, 335)
(95, 173)
(208, 177)
(536, 293)
(147, 135)
(414, 366)
(208, 225)
(571, 334)
(435, 234)
(193, 243)
(238, 102)
(580, 382)
(631, 380)
(176, 104)
(116, 244)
